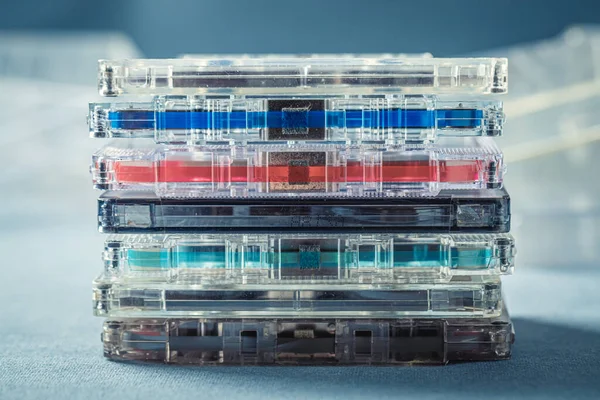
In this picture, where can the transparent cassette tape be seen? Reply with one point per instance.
(459, 211)
(390, 119)
(183, 294)
(308, 257)
(303, 75)
(221, 341)
(303, 170)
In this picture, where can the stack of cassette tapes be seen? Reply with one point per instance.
(302, 210)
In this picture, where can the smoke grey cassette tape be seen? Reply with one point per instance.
(222, 341)
(460, 211)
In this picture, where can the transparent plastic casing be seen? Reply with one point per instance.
(303, 75)
(299, 170)
(392, 119)
(188, 296)
(309, 258)
(460, 211)
(218, 341)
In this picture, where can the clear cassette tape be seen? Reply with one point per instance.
(388, 119)
(303, 75)
(241, 341)
(459, 211)
(300, 170)
(190, 295)
(307, 257)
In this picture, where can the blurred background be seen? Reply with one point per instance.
(50, 247)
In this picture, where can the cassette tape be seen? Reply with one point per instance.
(303, 75)
(302, 170)
(241, 341)
(188, 295)
(388, 119)
(459, 211)
(307, 258)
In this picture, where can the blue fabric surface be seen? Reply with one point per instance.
(51, 344)
(51, 347)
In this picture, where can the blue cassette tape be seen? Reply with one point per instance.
(387, 119)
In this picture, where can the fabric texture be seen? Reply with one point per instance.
(51, 347)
